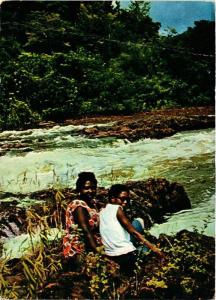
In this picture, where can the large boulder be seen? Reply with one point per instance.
(150, 200)
(153, 198)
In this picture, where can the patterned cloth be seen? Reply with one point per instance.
(72, 242)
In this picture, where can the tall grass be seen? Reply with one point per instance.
(42, 261)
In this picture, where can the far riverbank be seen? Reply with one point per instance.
(154, 124)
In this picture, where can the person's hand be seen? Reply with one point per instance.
(158, 252)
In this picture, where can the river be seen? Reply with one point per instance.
(54, 157)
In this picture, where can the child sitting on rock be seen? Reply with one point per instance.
(116, 230)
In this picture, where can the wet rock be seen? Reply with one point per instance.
(12, 220)
(151, 200)
(157, 124)
(10, 146)
(47, 124)
(90, 131)
(14, 145)
(4, 195)
(154, 198)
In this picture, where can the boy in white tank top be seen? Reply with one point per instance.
(116, 231)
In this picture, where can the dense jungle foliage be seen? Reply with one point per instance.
(65, 59)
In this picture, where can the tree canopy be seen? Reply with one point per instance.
(65, 59)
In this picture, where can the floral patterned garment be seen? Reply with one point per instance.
(72, 242)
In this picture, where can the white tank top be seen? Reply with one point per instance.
(115, 238)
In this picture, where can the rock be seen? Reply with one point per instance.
(47, 124)
(153, 198)
(150, 200)
(90, 131)
(12, 221)
(156, 124)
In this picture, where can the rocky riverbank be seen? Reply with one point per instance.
(155, 124)
(150, 200)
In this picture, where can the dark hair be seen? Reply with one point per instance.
(116, 189)
(83, 177)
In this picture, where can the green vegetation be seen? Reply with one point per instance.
(185, 274)
(67, 59)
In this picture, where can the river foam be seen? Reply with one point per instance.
(187, 157)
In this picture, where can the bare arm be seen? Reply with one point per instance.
(129, 227)
(82, 219)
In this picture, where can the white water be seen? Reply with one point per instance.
(109, 158)
(59, 155)
(20, 245)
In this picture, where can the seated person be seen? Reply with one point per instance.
(82, 219)
(116, 231)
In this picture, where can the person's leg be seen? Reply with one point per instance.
(138, 224)
(126, 262)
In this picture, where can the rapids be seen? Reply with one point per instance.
(53, 158)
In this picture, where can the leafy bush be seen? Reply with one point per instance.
(20, 115)
(188, 271)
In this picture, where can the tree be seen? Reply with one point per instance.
(65, 58)
(199, 38)
(137, 25)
